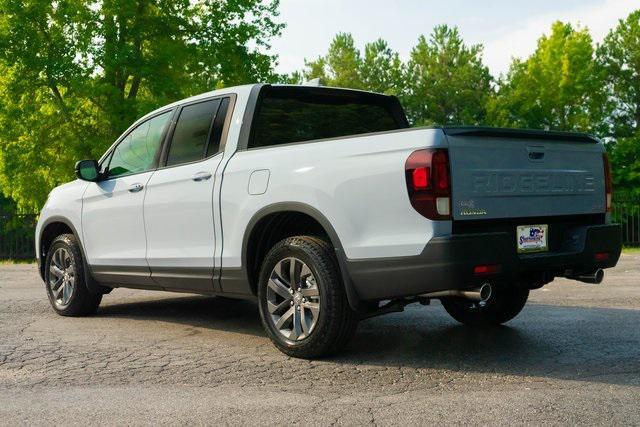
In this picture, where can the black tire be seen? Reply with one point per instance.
(81, 302)
(336, 321)
(506, 302)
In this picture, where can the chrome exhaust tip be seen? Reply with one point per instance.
(485, 292)
(594, 277)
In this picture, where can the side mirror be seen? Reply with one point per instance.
(87, 170)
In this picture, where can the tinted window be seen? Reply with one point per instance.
(137, 151)
(287, 115)
(218, 127)
(192, 132)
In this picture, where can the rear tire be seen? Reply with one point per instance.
(506, 302)
(304, 308)
(65, 280)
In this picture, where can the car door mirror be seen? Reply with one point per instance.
(88, 170)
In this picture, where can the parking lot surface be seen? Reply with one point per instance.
(572, 356)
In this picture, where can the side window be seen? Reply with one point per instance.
(137, 151)
(218, 127)
(192, 132)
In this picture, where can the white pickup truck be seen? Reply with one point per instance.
(322, 204)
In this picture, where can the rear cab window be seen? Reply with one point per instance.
(287, 114)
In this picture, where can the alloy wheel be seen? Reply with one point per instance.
(62, 278)
(293, 299)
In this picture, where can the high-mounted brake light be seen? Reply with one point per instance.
(608, 184)
(429, 183)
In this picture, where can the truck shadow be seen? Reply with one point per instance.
(231, 315)
(571, 343)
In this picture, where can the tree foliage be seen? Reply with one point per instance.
(619, 59)
(558, 87)
(447, 83)
(379, 70)
(76, 73)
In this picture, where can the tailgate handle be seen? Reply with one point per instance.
(536, 154)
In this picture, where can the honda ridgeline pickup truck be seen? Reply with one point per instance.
(324, 206)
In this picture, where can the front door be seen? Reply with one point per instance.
(112, 209)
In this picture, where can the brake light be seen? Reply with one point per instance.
(608, 184)
(420, 178)
(429, 183)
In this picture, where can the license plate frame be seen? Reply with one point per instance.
(532, 238)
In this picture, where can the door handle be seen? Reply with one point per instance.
(134, 188)
(201, 176)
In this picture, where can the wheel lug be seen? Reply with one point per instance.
(291, 303)
(291, 291)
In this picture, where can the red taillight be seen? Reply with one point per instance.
(608, 184)
(420, 178)
(486, 269)
(429, 183)
(601, 256)
(440, 163)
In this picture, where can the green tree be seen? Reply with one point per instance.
(447, 83)
(340, 67)
(557, 87)
(619, 59)
(75, 73)
(380, 70)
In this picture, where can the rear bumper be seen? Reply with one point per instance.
(448, 263)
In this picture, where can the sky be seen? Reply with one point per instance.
(507, 29)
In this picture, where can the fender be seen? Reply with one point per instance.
(352, 295)
(91, 284)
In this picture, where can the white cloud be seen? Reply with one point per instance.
(519, 40)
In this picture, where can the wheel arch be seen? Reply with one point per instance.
(53, 227)
(266, 226)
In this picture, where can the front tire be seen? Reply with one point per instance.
(505, 303)
(302, 301)
(65, 280)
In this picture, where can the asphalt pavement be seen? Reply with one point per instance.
(571, 357)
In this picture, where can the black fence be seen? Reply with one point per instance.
(17, 236)
(17, 230)
(627, 213)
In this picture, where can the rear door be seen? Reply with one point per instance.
(511, 174)
(179, 205)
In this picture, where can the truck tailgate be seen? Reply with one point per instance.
(502, 173)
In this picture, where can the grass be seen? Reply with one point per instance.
(16, 261)
(631, 250)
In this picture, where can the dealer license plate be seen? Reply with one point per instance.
(532, 238)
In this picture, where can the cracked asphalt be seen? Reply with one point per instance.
(571, 357)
